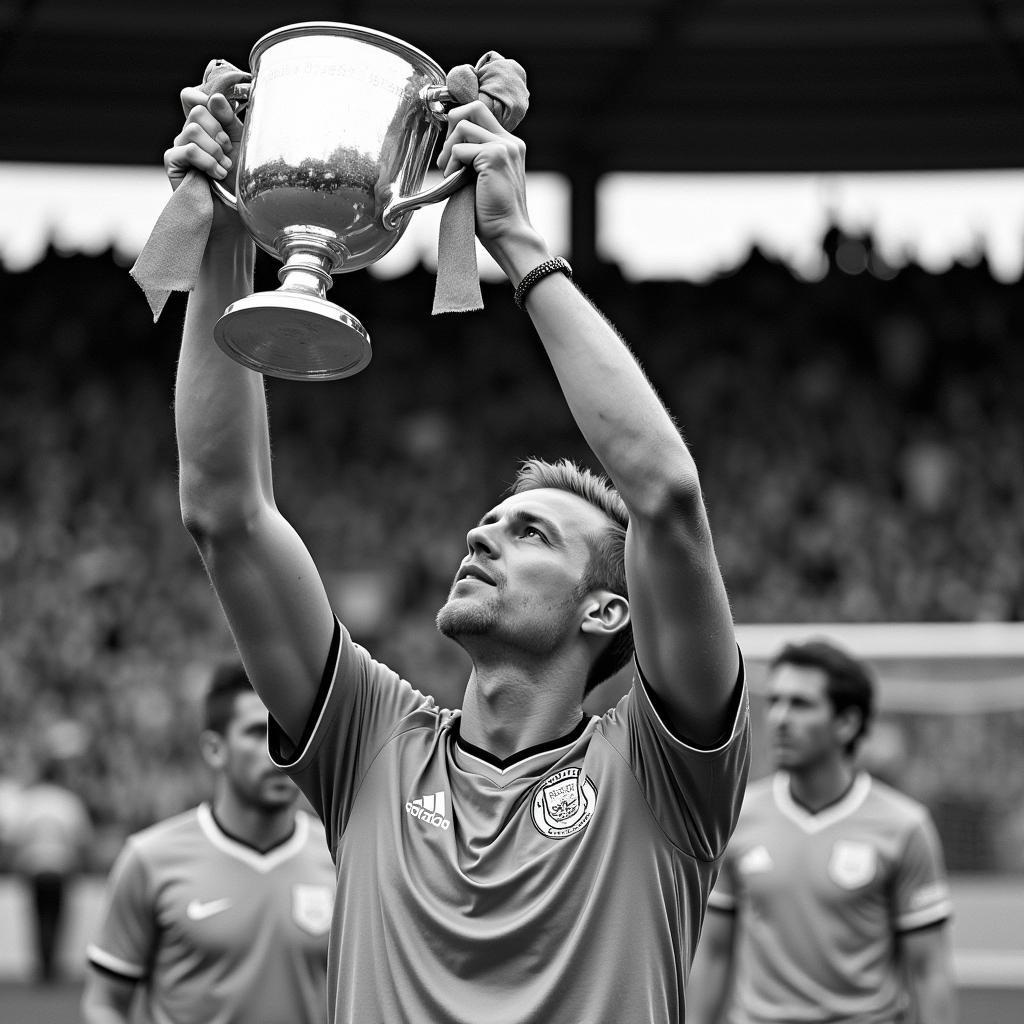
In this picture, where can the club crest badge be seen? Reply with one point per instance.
(563, 804)
(852, 864)
(312, 907)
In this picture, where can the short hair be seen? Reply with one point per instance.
(849, 683)
(229, 679)
(607, 566)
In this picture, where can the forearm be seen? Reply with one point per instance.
(616, 408)
(99, 1013)
(106, 1002)
(220, 409)
(934, 998)
(708, 989)
(707, 995)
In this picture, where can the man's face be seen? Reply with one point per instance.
(804, 728)
(526, 558)
(247, 768)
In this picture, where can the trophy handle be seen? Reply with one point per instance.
(238, 97)
(436, 98)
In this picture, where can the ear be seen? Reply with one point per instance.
(847, 724)
(604, 613)
(213, 749)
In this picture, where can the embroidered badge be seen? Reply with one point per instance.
(852, 864)
(563, 804)
(312, 907)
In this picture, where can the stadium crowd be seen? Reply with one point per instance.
(858, 438)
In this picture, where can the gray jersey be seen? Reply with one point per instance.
(567, 883)
(820, 898)
(216, 932)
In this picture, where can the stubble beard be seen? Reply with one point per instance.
(460, 617)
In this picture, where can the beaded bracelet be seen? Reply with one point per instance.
(556, 265)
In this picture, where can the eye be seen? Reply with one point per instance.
(532, 531)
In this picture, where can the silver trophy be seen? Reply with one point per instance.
(341, 124)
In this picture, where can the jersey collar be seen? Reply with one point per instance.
(261, 862)
(810, 821)
(519, 762)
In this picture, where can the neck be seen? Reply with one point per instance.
(507, 710)
(259, 827)
(816, 786)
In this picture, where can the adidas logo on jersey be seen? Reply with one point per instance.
(429, 808)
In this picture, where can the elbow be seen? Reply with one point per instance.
(673, 496)
(211, 510)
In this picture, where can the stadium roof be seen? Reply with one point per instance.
(617, 85)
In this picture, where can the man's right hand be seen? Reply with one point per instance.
(208, 141)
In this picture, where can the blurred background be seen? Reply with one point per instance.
(806, 218)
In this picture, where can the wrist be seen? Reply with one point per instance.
(519, 252)
(555, 265)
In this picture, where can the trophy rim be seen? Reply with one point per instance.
(339, 28)
(340, 336)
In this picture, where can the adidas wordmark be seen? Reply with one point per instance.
(429, 808)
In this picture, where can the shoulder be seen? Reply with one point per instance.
(895, 806)
(165, 835)
(759, 796)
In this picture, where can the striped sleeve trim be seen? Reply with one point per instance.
(739, 719)
(114, 964)
(718, 901)
(935, 914)
(283, 753)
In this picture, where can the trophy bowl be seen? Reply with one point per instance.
(341, 125)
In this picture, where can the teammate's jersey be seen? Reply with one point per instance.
(216, 932)
(821, 898)
(567, 883)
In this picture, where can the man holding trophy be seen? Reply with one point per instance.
(515, 860)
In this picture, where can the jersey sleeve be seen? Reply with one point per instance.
(361, 704)
(921, 896)
(694, 794)
(127, 935)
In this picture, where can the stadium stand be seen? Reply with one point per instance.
(858, 438)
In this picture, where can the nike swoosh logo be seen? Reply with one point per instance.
(199, 911)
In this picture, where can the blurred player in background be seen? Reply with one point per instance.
(832, 904)
(516, 860)
(220, 915)
(50, 836)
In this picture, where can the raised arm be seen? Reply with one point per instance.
(268, 586)
(680, 613)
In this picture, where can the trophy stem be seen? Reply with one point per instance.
(310, 258)
(294, 332)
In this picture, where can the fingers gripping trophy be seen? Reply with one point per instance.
(340, 126)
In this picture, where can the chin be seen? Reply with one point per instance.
(459, 617)
(790, 762)
(272, 804)
(277, 793)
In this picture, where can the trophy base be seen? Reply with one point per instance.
(294, 336)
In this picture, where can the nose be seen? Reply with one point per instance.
(482, 540)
